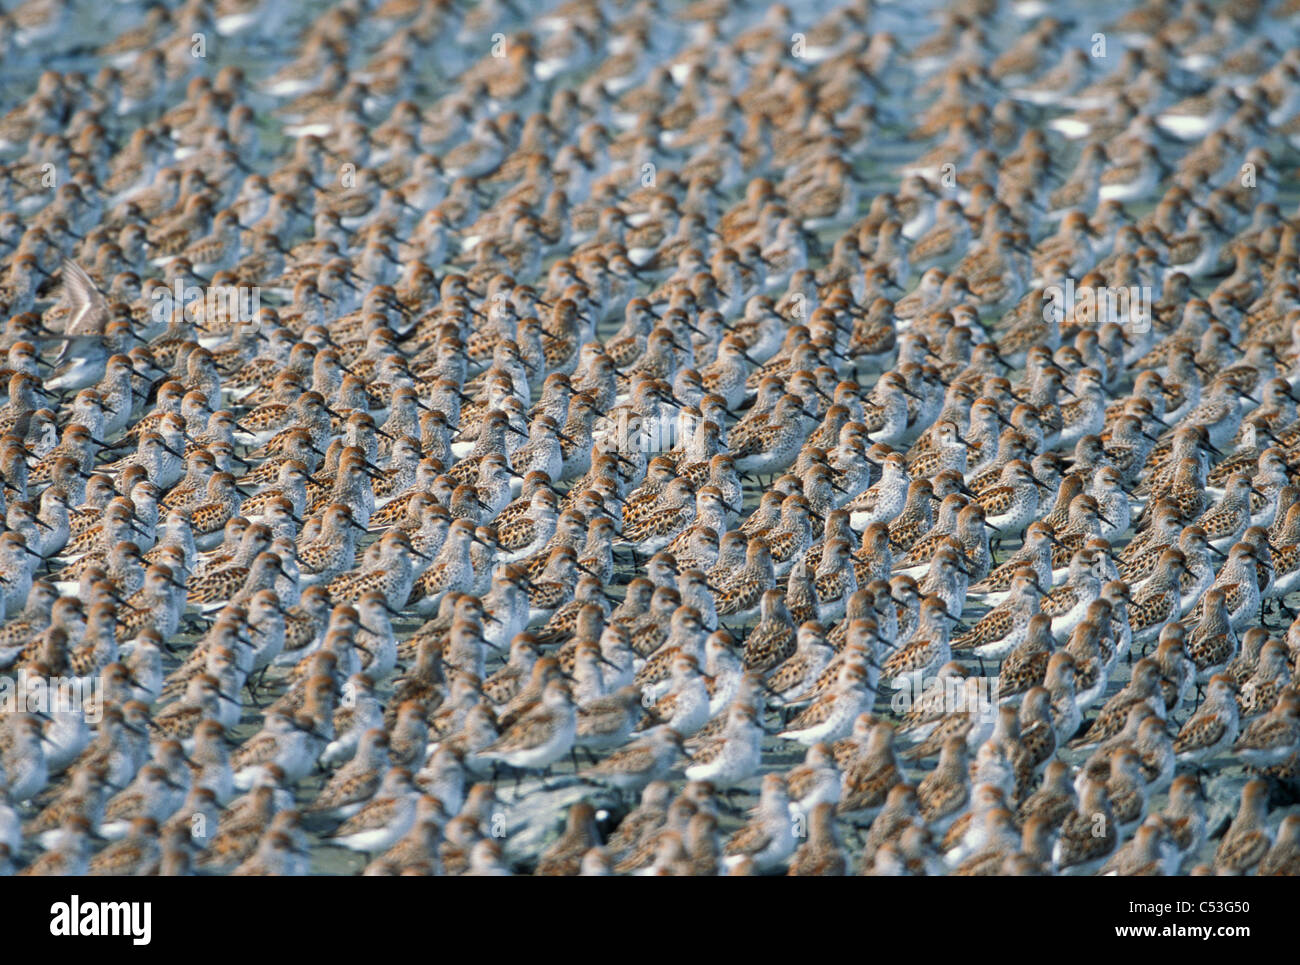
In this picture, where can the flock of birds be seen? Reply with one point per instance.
(643, 436)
